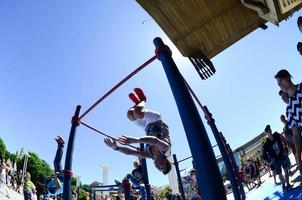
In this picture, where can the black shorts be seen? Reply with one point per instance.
(280, 163)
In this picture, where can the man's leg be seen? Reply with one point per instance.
(282, 179)
(142, 191)
(269, 171)
(258, 178)
(286, 167)
(132, 179)
(278, 169)
(137, 183)
(286, 170)
(274, 176)
(58, 158)
(298, 147)
(293, 148)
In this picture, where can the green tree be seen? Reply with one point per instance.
(37, 167)
(10, 156)
(84, 191)
(73, 181)
(2, 149)
(13, 157)
(83, 194)
(165, 191)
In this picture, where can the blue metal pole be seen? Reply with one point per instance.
(193, 164)
(224, 153)
(207, 171)
(69, 152)
(100, 186)
(109, 189)
(180, 187)
(236, 172)
(145, 175)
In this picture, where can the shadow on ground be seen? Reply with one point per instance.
(269, 191)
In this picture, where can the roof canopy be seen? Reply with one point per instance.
(208, 27)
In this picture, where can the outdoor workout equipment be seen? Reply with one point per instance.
(180, 186)
(208, 175)
(124, 188)
(179, 179)
(226, 152)
(145, 175)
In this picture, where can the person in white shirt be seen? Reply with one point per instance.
(157, 138)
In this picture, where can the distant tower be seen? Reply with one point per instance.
(78, 183)
(173, 178)
(105, 169)
(105, 174)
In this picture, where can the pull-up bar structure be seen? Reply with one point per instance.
(207, 173)
(117, 86)
(145, 174)
(179, 179)
(180, 186)
(124, 188)
(69, 152)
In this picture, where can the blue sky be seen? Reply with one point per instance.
(56, 55)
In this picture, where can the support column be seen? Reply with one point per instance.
(69, 153)
(207, 171)
(180, 186)
(225, 156)
(145, 175)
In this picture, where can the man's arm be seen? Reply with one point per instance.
(154, 141)
(125, 150)
(284, 141)
(146, 140)
(128, 151)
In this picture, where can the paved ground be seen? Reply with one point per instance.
(12, 195)
(269, 191)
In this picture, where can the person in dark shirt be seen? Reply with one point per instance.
(274, 154)
(136, 178)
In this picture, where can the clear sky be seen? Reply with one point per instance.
(56, 54)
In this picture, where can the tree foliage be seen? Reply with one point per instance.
(38, 169)
(165, 191)
(10, 156)
(2, 149)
